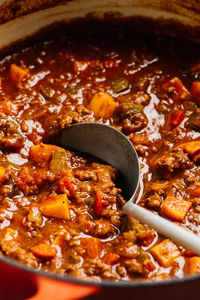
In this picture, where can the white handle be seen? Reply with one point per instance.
(169, 229)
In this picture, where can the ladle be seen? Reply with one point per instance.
(113, 147)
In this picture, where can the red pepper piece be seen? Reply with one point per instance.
(98, 204)
(64, 184)
(177, 117)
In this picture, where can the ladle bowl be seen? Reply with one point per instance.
(111, 146)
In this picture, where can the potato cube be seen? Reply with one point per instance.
(175, 209)
(192, 265)
(103, 105)
(165, 252)
(56, 206)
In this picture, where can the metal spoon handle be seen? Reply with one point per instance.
(169, 229)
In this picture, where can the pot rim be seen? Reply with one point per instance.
(103, 283)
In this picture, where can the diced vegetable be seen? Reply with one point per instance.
(2, 173)
(175, 209)
(65, 184)
(177, 117)
(111, 258)
(46, 92)
(112, 63)
(163, 109)
(196, 90)
(42, 152)
(44, 251)
(103, 105)
(191, 147)
(56, 206)
(120, 84)
(165, 252)
(192, 265)
(17, 73)
(98, 203)
(81, 66)
(196, 192)
(176, 87)
(58, 161)
(93, 246)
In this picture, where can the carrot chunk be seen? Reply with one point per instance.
(165, 252)
(64, 184)
(2, 173)
(93, 246)
(56, 206)
(192, 265)
(103, 105)
(177, 117)
(44, 251)
(191, 147)
(111, 258)
(177, 88)
(42, 152)
(175, 209)
(17, 73)
(196, 191)
(98, 203)
(196, 90)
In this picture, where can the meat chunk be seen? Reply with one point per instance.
(98, 228)
(11, 247)
(133, 118)
(167, 164)
(10, 135)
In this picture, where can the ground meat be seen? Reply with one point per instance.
(128, 250)
(135, 122)
(133, 266)
(10, 135)
(154, 201)
(167, 164)
(97, 228)
(10, 246)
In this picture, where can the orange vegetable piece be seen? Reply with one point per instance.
(93, 246)
(98, 203)
(175, 209)
(111, 258)
(44, 251)
(177, 117)
(191, 147)
(196, 191)
(64, 184)
(17, 73)
(103, 105)
(196, 90)
(165, 252)
(2, 173)
(42, 152)
(192, 265)
(178, 89)
(56, 206)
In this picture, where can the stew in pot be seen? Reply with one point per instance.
(61, 211)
